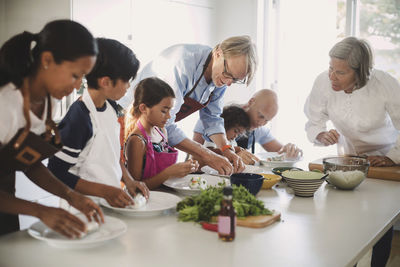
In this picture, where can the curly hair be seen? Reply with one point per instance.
(235, 116)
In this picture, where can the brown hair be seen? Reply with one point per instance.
(149, 91)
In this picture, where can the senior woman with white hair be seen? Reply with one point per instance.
(364, 106)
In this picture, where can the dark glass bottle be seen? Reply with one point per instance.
(227, 217)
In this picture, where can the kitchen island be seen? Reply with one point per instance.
(335, 228)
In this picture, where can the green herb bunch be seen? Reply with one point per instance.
(206, 205)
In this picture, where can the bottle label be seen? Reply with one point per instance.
(224, 225)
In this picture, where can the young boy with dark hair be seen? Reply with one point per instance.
(89, 161)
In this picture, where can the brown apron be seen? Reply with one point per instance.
(8, 222)
(190, 105)
(24, 150)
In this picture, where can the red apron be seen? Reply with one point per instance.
(190, 105)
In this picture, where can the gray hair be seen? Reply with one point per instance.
(358, 54)
(241, 45)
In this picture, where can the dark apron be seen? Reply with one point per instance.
(20, 154)
(8, 222)
(190, 105)
(243, 141)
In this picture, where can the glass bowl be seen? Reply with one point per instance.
(346, 172)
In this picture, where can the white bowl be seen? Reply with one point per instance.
(304, 183)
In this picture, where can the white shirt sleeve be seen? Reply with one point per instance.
(315, 108)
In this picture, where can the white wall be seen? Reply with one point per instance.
(236, 17)
(304, 42)
(27, 15)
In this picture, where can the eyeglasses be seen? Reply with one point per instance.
(227, 75)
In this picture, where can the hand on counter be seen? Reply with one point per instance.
(62, 221)
(380, 161)
(247, 157)
(86, 206)
(292, 151)
(183, 168)
(219, 163)
(238, 165)
(116, 197)
(134, 185)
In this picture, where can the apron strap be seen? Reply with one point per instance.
(51, 127)
(202, 73)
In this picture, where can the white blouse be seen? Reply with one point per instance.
(368, 120)
(12, 115)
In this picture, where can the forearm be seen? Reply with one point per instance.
(273, 146)
(127, 178)
(11, 204)
(90, 188)
(219, 140)
(42, 177)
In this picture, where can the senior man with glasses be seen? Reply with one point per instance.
(199, 76)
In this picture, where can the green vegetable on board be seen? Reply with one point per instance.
(206, 205)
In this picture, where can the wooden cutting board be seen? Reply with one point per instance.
(259, 221)
(385, 173)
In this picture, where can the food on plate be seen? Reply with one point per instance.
(139, 201)
(280, 157)
(91, 227)
(198, 183)
(206, 205)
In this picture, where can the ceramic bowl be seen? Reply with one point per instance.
(346, 172)
(270, 180)
(251, 181)
(279, 170)
(304, 183)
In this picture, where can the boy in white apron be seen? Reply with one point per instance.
(89, 161)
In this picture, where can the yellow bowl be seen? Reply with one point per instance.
(270, 180)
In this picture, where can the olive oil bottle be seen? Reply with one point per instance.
(227, 216)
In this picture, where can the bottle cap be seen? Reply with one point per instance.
(227, 190)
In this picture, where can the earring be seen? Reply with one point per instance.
(45, 67)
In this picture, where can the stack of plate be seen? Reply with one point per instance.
(304, 183)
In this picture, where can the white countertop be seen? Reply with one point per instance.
(335, 228)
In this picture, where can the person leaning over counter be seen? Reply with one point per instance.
(261, 108)
(364, 106)
(199, 75)
(62, 53)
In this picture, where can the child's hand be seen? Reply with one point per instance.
(116, 197)
(134, 185)
(62, 221)
(86, 206)
(183, 168)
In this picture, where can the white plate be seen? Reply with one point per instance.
(274, 164)
(112, 228)
(181, 185)
(158, 204)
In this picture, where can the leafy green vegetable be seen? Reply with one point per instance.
(204, 206)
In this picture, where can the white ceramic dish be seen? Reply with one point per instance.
(159, 203)
(181, 185)
(265, 159)
(112, 228)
